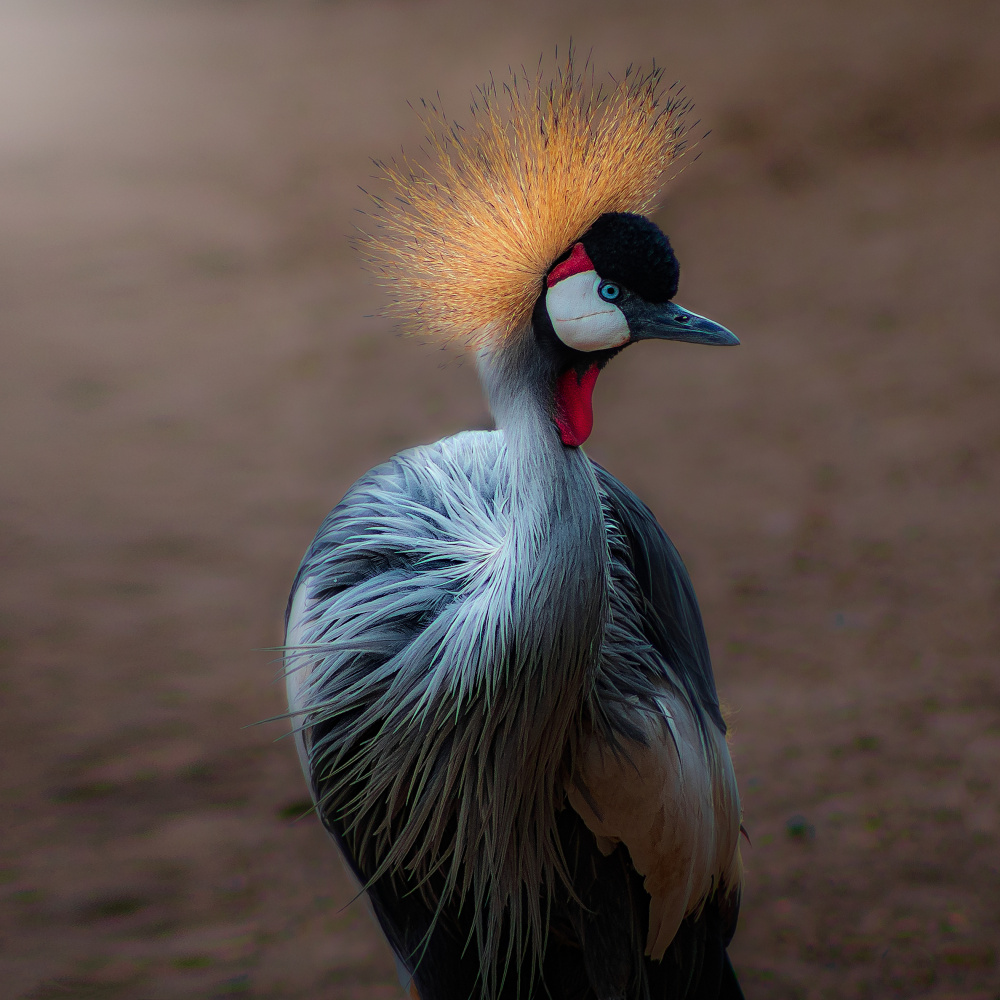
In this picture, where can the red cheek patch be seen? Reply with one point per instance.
(574, 405)
(576, 263)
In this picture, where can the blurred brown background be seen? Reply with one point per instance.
(188, 382)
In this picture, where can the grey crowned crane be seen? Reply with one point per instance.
(501, 687)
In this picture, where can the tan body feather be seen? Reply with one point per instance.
(677, 813)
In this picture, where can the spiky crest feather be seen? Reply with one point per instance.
(465, 241)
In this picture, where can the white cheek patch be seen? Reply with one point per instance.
(581, 318)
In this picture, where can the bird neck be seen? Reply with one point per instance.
(561, 565)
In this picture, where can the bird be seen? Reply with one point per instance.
(499, 680)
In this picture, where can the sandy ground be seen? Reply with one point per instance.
(188, 381)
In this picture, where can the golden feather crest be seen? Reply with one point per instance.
(464, 242)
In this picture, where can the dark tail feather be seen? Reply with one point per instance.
(729, 988)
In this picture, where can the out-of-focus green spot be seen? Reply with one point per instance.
(297, 809)
(947, 815)
(115, 906)
(799, 828)
(193, 962)
(971, 957)
(84, 792)
(236, 985)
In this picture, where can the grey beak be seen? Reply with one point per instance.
(669, 321)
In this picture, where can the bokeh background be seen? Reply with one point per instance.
(190, 377)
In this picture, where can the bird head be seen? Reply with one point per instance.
(524, 233)
(613, 288)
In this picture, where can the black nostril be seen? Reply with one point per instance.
(682, 319)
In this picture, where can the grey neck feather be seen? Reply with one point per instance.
(561, 564)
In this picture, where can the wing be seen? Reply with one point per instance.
(661, 781)
(670, 620)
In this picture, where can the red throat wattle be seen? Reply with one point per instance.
(574, 406)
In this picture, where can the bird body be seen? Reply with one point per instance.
(504, 700)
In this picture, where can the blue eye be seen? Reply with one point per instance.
(609, 291)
